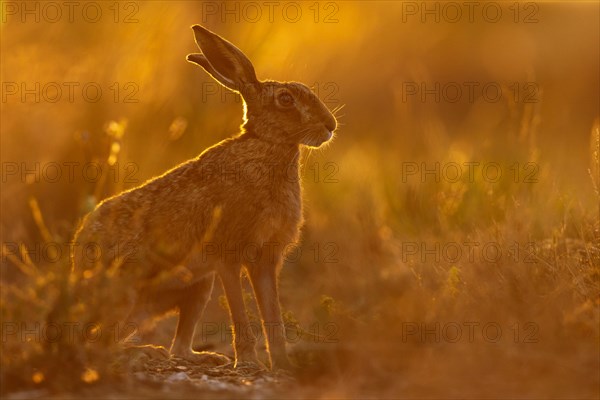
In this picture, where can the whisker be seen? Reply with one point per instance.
(300, 132)
(338, 108)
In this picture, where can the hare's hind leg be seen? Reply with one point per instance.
(191, 305)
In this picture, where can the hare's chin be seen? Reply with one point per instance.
(317, 141)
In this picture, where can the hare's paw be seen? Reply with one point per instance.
(146, 352)
(204, 358)
(282, 363)
(250, 365)
(135, 358)
(249, 361)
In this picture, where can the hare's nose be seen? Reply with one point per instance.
(331, 124)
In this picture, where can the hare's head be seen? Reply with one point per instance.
(278, 112)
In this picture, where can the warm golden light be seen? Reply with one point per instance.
(449, 240)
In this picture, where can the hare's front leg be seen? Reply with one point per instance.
(263, 275)
(191, 304)
(244, 341)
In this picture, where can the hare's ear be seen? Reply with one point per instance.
(223, 61)
(201, 60)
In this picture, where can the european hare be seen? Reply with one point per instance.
(238, 204)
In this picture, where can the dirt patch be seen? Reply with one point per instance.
(244, 380)
(177, 378)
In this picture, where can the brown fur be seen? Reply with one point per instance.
(238, 204)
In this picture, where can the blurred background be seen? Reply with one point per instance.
(98, 97)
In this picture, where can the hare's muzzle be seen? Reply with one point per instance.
(331, 125)
(325, 136)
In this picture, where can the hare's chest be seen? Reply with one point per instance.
(280, 217)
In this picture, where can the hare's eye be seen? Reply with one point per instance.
(285, 99)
